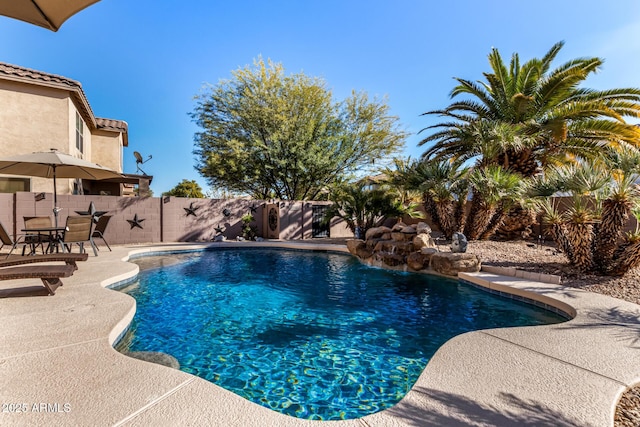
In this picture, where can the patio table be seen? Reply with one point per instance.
(53, 241)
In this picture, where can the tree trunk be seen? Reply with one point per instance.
(431, 210)
(580, 238)
(517, 224)
(625, 258)
(559, 235)
(459, 215)
(495, 222)
(479, 217)
(614, 217)
(446, 216)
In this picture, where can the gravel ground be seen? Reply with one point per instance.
(545, 259)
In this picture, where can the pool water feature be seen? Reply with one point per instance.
(311, 335)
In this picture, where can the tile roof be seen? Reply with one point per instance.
(111, 124)
(30, 76)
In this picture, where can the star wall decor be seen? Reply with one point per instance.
(135, 222)
(219, 230)
(191, 210)
(93, 212)
(253, 208)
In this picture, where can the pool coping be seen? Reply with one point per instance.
(59, 367)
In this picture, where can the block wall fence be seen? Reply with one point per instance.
(166, 219)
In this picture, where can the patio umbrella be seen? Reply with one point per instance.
(49, 14)
(53, 164)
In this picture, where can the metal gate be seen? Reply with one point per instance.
(318, 229)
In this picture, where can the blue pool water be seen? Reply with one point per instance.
(312, 335)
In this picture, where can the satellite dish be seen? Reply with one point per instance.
(139, 161)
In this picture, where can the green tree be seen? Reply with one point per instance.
(535, 116)
(603, 194)
(362, 207)
(186, 188)
(272, 135)
(529, 117)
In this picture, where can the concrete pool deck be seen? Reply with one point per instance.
(58, 366)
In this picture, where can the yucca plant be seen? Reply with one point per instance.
(495, 191)
(603, 193)
(362, 207)
(444, 191)
(627, 255)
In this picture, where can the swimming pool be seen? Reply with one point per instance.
(312, 335)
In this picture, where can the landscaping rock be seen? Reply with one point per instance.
(408, 230)
(423, 241)
(399, 226)
(376, 232)
(354, 244)
(423, 227)
(364, 252)
(399, 236)
(393, 247)
(429, 251)
(392, 260)
(418, 261)
(450, 264)
(372, 243)
(459, 243)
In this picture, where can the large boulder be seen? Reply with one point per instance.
(423, 227)
(354, 244)
(398, 226)
(450, 264)
(364, 252)
(376, 232)
(459, 243)
(418, 261)
(423, 241)
(399, 236)
(392, 260)
(409, 229)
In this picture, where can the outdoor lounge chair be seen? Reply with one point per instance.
(68, 259)
(49, 274)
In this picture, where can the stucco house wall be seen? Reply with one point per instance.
(38, 112)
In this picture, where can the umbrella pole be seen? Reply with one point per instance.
(55, 197)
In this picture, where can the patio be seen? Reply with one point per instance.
(59, 367)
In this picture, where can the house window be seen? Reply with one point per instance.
(79, 133)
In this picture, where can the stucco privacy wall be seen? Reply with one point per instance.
(165, 219)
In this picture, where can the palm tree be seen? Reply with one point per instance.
(624, 166)
(444, 191)
(552, 118)
(529, 117)
(627, 255)
(603, 193)
(494, 192)
(363, 208)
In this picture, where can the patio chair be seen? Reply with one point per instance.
(49, 274)
(6, 240)
(35, 239)
(100, 228)
(78, 230)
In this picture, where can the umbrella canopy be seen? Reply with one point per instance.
(49, 14)
(53, 164)
(50, 164)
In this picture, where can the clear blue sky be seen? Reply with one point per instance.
(142, 61)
